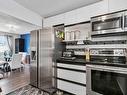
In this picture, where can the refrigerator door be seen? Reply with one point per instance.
(34, 59)
(45, 59)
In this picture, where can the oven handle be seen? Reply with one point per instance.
(109, 69)
(116, 71)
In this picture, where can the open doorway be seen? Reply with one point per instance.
(18, 75)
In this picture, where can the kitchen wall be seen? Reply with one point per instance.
(85, 13)
(26, 37)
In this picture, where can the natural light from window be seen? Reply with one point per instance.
(4, 45)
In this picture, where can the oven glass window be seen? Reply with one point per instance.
(107, 24)
(107, 83)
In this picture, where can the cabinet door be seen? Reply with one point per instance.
(83, 14)
(70, 66)
(70, 17)
(79, 15)
(72, 76)
(117, 5)
(71, 88)
(99, 8)
(55, 20)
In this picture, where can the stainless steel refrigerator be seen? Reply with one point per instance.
(41, 71)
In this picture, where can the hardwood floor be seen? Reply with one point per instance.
(15, 80)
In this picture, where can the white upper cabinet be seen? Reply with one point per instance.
(117, 5)
(85, 13)
(55, 20)
(99, 8)
(78, 15)
(70, 17)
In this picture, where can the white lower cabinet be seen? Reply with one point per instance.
(72, 88)
(78, 77)
(71, 66)
(71, 78)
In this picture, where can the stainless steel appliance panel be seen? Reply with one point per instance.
(110, 23)
(110, 80)
(108, 16)
(108, 52)
(45, 59)
(109, 55)
(33, 59)
(125, 21)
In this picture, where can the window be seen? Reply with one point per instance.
(4, 45)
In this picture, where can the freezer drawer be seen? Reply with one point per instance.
(71, 88)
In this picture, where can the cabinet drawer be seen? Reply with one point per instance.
(78, 77)
(77, 67)
(71, 88)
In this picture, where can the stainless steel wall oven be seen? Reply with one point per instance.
(106, 75)
(106, 80)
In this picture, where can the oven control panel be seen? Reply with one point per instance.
(108, 52)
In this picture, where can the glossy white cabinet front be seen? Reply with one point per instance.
(54, 20)
(85, 13)
(117, 5)
(71, 66)
(78, 15)
(73, 88)
(71, 78)
(78, 77)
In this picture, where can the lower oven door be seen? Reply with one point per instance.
(106, 81)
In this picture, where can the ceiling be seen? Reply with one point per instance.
(48, 8)
(13, 25)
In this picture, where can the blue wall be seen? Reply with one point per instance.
(26, 37)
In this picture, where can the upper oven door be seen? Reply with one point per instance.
(107, 24)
